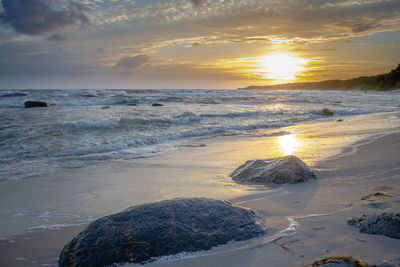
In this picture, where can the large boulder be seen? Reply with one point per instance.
(289, 169)
(35, 104)
(387, 224)
(162, 228)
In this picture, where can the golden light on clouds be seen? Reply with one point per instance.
(281, 66)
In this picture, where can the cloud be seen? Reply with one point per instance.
(57, 37)
(37, 17)
(196, 44)
(100, 50)
(127, 64)
(198, 3)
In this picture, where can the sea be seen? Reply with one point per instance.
(83, 127)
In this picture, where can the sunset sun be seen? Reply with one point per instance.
(281, 66)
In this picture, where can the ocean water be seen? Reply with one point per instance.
(82, 127)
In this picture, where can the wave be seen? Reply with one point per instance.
(13, 94)
(108, 123)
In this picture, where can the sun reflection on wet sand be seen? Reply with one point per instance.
(288, 143)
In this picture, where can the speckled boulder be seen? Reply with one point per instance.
(161, 228)
(289, 169)
(387, 224)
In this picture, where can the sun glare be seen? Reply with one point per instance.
(280, 66)
(288, 144)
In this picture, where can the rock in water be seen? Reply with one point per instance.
(157, 105)
(387, 224)
(161, 228)
(327, 112)
(34, 104)
(289, 169)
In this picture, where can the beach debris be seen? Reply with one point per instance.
(105, 107)
(361, 240)
(285, 245)
(319, 228)
(342, 261)
(35, 104)
(327, 112)
(339, 120)
(374, 196)
(387, 224)
(289, 169)
(157, 105)
(143, 232)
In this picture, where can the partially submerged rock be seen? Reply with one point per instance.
(327, 112)
(161, 228)
(157, 105)
(340, 261)
(35, 104)
(289, 169)
(387, 224)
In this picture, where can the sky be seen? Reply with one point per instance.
(193, 44)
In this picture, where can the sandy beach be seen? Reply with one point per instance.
(305, 222)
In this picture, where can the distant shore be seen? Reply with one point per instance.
(382, 82)
(352, 158)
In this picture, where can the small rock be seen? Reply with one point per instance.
(289, 169)
(327, 112)
(162, 228)
(339, 120)
(387, 224)
(105, 107)
(157, 105)
(34, 104)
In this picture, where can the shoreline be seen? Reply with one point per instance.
(211, 163)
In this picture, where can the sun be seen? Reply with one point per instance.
(288, 143)
(281, 66)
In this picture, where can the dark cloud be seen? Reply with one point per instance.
(131, 63)
(37, 17)
(362, 27)
(312, 20)
(198, 3)
(57, 37)
(197, 44)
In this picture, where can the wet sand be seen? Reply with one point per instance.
(312, 215)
